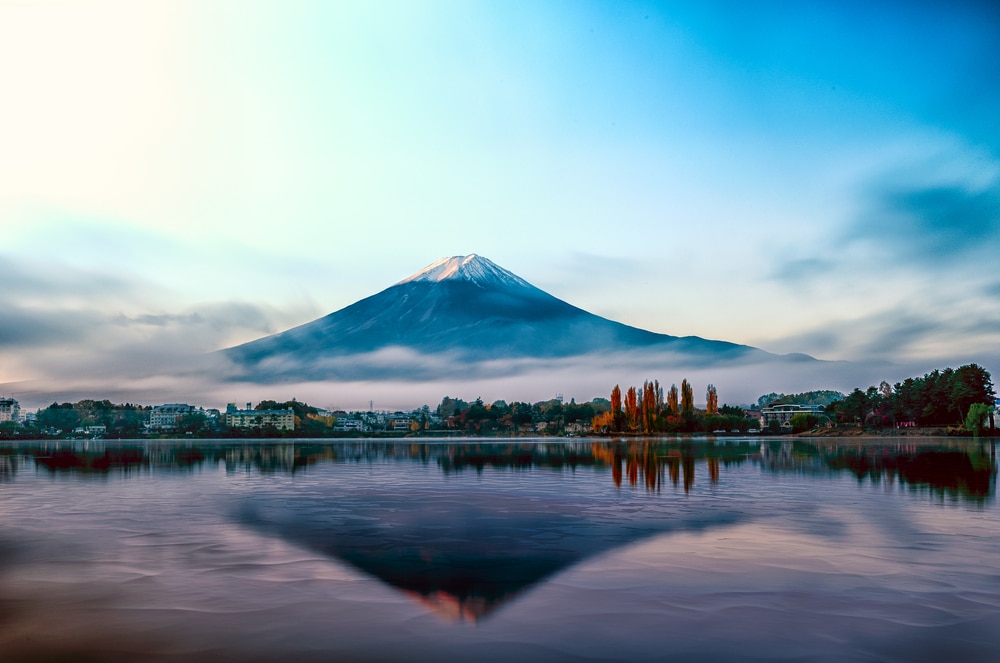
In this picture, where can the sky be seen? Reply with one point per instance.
(178, 177)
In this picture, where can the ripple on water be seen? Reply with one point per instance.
(400, 560)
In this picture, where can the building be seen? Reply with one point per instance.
(164, 417)
(783, 413)
(400, 425)
(345, 424)
(248, 418)
(10, 410)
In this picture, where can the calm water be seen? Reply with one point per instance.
(547, 551)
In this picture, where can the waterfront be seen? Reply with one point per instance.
(537, 550)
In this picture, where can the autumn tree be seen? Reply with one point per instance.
(616, 409)
(712, 400)
(672, 406)
(649, 405)
(632, 409)
(687, 397)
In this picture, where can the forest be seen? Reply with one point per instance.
(939, 398)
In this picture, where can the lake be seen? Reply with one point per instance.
(533, 550)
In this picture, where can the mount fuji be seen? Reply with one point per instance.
(468, 310)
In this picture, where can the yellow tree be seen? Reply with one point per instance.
(616, 408)
(649, 401)
(672, 400)
(687, 397)
(712, 399)
(632, 408)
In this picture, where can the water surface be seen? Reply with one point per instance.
(534, 550)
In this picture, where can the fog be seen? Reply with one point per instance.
(397, 378)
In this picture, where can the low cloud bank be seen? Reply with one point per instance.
(399, 378)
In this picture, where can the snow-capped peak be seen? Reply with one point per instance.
(476, 269)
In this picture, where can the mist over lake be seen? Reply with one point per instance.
(535, 550)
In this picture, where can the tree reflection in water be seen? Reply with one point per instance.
(956, 468)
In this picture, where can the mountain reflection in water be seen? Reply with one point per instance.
(555, 549)
(465, 554)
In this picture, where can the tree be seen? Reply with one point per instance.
(975, 420)
(821, 397)
(617, 417)
(61, 417)
(687, 397)
(632, 409)
(855, 406)
(712, 400)
(191, 422)
(732, 411)
(521, 414)
(970, 384)
(803, 422)
(449, 407)
(651, 402)
(579, 412)
(672, 405)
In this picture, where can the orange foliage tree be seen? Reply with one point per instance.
(632, 409)
(650, 400)
(687, 397)
(712, 400)
(616, 409)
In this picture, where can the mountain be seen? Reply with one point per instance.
(467, 308)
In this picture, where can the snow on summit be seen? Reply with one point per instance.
(476, 269)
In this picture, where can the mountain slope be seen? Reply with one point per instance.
(470, 308)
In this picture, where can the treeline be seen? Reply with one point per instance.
(820, 397)
(646, 410)
(120, 420)
(949, 397)
(939, 398)
(500, 417)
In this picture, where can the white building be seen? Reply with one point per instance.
(247, 418)
(10, 410)
(345, 424)
(783, 413)
(164, 417)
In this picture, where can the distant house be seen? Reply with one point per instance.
(401, 425)
(345, 424)
(10, 410)
(164, 417)
(783, 413)
(247, 418)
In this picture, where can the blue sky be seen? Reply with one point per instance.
(804, 177)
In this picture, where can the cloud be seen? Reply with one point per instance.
(932, 225)
(39, 284)
(76, 310)
(24, 328)
(801, 270)
(73, 333)
(923, 334)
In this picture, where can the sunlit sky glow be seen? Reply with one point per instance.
(803, 177)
